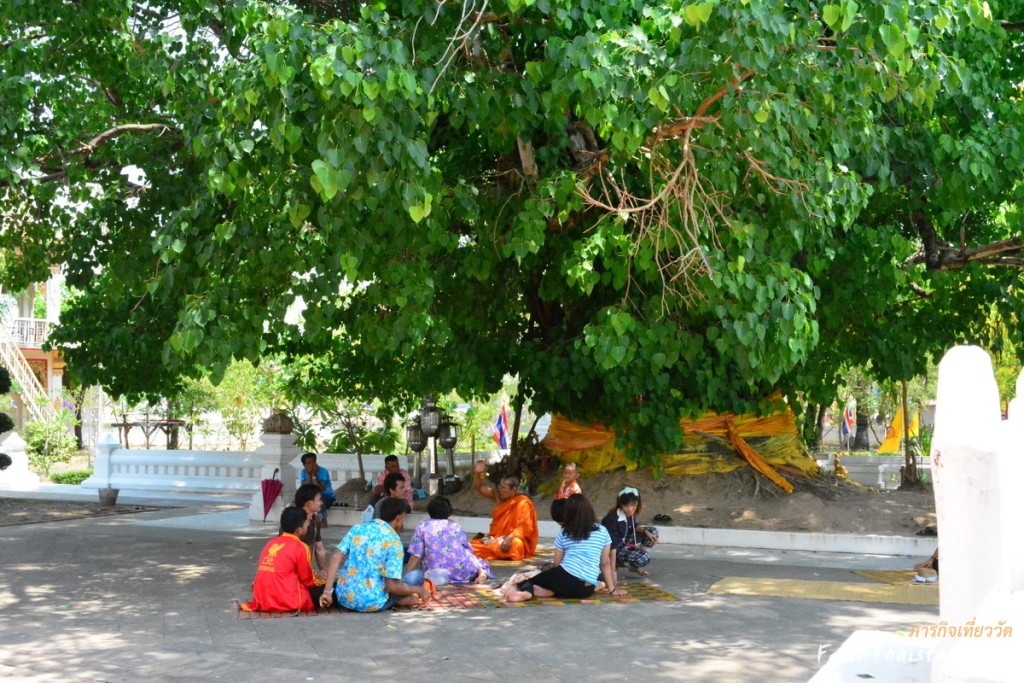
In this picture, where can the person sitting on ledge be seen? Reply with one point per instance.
(368, 565)
(392, 466)
(514, 533)
(284, 575)
(318, 476)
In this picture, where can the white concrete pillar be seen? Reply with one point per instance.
(1011, 471)
(17, 473)
(54, 295)
(279, 452)
(102, 469)
(26, 302)
(968, 430)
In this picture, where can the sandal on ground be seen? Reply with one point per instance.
(662, 518)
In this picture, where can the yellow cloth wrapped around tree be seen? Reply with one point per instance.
(516, 517)
(711, 443)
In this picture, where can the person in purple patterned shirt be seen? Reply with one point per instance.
(440, 544)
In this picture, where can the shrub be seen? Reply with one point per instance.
(73, 477)
(48, 442)
(6, 423)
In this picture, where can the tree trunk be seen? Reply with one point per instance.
(351, 429)
(860, 440)
(79, 440)
(814, 417)
(172, 432)
(908, 476)
(515, 452)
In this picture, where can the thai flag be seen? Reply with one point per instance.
(848, 421)
(500, 435)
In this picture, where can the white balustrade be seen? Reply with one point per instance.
(229, 471)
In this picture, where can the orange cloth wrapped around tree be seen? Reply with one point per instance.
(283, 577)
(516, 517)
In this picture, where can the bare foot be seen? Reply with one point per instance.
(639, 571)
(518, 596)
(409, 601)
(481, 576)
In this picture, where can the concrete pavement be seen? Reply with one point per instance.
(147, 596)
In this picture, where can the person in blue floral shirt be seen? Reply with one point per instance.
(368, 566)
(439, 544)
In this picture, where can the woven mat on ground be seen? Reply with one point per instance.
(242, 614)
(907, 594)
(543, 554)
(470, 596)
(894, 576)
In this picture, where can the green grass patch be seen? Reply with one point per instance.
(74, 477)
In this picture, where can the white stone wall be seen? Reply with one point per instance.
(230, 471)
(881, 471)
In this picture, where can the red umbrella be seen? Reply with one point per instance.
(271, 490)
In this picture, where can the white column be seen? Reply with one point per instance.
(54, 295)
(974, 458)
(17, 473)
(1011, 470)
(968, 430)
(278, 452)
(26, 302)
(102, 469)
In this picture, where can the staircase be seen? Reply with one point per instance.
(31, 391)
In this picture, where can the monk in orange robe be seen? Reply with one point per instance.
(513, 534)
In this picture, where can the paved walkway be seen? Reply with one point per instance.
(147, 597)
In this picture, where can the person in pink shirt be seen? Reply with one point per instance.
(391, 466)
(570, 486)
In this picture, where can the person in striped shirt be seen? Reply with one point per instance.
(582, 557)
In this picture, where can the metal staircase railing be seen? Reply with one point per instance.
(32, 392)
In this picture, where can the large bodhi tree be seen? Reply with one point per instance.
(645, 209)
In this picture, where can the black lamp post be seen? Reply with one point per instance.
(430, 428)
(417, 442)
(447, 437)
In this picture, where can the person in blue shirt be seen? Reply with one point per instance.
(368, 566)
(321, 478)
(582, 556)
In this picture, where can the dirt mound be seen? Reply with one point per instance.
(737, 501)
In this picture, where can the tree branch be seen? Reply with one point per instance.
(88, 148)
(945, 257)
(30, 36)
(723, 91)
(920, 291)
(682, 126)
